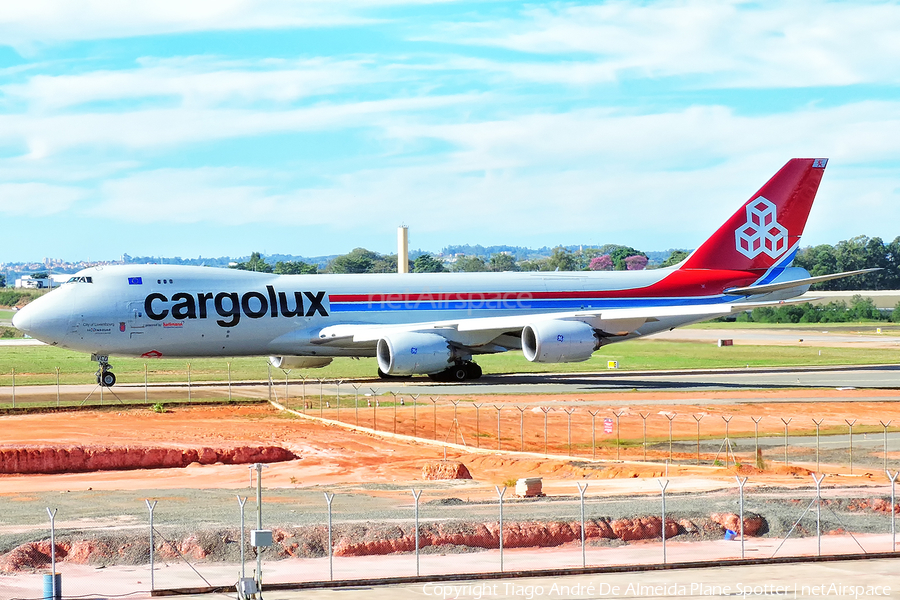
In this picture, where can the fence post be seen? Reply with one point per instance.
(818, 425)
(698, 419)
(415, 415)
(521, 428)
(885, 426)
(434, 414)
(741, 482)
(416, 496)
(329, 498)
(395, 412)
(374, 407)
(145, 385)
(52, 514)
(594, 414)
(546, 411)
(663, 487)
(818, 479)
(455, 422)
(670, 418)
(189, 383)
(569, 412)
(229, 381)
(477, 425)
(581, 491)
(498, 407)
(242, 502)
(150, 507)
(338, 400)
(786, 423)
(756, 437)
(500, 493)
(57, 387)
(14, 388)
(356, 406)
(644, 417)
(617, 415)
(893, 479)
(850, 426)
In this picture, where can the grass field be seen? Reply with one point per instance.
(861, 327)
(35, 365)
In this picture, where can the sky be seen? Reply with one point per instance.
(222, 127)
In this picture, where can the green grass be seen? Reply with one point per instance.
(37, 364)
(859, 326)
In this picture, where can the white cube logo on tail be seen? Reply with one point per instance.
(762, 232)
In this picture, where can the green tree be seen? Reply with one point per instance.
(533, 265)
(468, 264)
(676, 257)
(618, 254)
(562, 260)
(503, 262)
(358, 260)
(895, 316)
(2, 280)
(426, 263)
(295, 268)
(255, 263)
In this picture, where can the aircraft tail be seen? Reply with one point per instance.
(766, 230)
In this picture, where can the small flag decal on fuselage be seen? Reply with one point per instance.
(135, 281)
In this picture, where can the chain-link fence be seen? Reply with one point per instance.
(201, 539)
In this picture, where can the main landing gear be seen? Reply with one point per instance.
(105, 376)
(460, 371)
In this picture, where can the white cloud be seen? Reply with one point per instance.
(651, 181)
(725, 44)
(25, 25)
(197, 81)
(45, 135)
(34, 199)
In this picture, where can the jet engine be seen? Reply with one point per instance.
(410, 353)
(299, 362)
(559, 341)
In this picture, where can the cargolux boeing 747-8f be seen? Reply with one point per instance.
(431, 323)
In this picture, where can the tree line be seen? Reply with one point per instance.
(856, 253)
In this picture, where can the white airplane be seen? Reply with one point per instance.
(431, 323)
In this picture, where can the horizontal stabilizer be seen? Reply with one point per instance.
(753, 290)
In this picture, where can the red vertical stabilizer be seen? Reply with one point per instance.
(768, 225)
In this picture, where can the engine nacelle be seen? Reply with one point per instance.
(410, 353)
(559, 341)
(299, 362)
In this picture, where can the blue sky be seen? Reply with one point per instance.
(220, 127)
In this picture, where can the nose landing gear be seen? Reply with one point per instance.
(104, 374)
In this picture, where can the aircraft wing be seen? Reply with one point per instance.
(785, 285)
(482, 330)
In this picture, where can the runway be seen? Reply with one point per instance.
(876, 376)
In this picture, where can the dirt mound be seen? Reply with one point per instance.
(445, 470)
(85, 459)
(753, 523)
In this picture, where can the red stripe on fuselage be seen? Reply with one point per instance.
(682, 283)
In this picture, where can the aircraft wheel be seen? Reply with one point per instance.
(474, 370)
(108, 379)
(458, 372)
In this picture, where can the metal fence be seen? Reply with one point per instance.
(201, 539)
(583, 429)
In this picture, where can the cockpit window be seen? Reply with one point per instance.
(80, 280)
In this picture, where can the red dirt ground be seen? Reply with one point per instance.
(332, 454)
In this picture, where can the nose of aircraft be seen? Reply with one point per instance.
(22, 320)
(40, 320)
